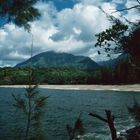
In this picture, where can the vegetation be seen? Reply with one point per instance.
(19, 12)
(77, 131)
(123, 73)
(31, 106)
(122, 37)
(131, 134)
(53, 59)
(134, 133)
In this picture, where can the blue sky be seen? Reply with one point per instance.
(61, 4)
(65, 26)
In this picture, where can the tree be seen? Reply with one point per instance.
(31, 105)
(19, 12)
(122, 38)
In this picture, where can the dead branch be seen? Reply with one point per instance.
(138, 1)
(109, 120)
(98, 117)
(125, 9)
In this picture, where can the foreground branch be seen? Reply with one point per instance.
(109, 121)
(125, 9)
(98, 117)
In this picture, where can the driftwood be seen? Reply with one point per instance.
(109, 120)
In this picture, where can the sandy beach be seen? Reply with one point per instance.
(133, 87)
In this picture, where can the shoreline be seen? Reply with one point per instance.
(133, 87)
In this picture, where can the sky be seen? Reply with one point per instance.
(65, 26)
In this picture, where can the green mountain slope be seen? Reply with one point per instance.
(52, 59)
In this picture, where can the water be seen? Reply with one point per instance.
(64, 106)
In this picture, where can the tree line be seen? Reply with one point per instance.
(123, 73)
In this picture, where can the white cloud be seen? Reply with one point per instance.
(80, 24)
(133, 14)
(119, 1)
(92, 2)
(77, 31)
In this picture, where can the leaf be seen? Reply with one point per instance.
(19, 103)
(40, 102)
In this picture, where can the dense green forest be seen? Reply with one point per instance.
(123, 73)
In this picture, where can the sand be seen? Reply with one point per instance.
(133, 87)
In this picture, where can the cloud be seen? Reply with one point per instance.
(119, 1)
(82, 18)
(133, 14)
(79, 25)
(92, 2)
(69, 30)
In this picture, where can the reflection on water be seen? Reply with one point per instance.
(64, 106)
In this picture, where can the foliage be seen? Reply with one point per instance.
(122, 73)
(76, 132)
(135, 110)
(31, 105)
(121, 38)
(113, 34)
(51, 59)
(20, 12)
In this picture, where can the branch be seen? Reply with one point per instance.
(130, 22)
(136, 6)
(109, 121)
(109, 116)
(98, 117)
(138, 1)
(111, 17)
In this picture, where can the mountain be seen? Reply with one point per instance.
(52, 59)
(114, 62)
